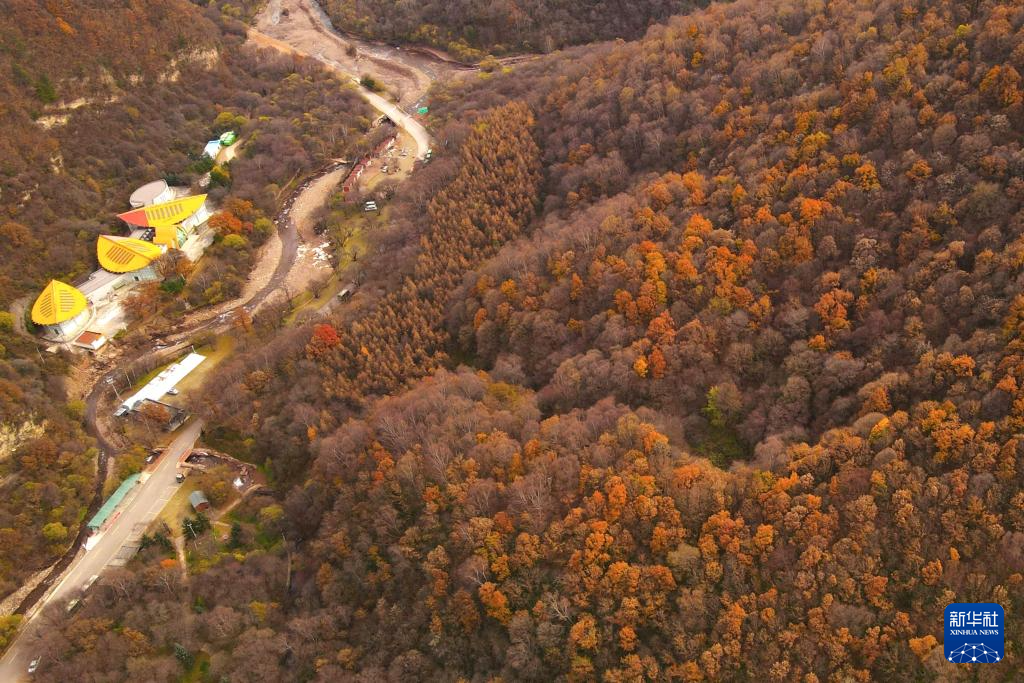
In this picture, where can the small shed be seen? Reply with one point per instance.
(91, 340)
(199, 501)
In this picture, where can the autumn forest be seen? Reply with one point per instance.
(695, 354)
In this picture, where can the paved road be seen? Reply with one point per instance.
(145, 503)
(149, 497)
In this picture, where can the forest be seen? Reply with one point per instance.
(471, 30)
(693, 357)
(70, 155)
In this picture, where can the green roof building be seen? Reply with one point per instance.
(103, 514)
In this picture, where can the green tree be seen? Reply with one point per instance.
(55, 532)
(236, 242)
(45, 90)
(186, 658)
(8, 627)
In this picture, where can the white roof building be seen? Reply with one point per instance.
(156, 192)
(159, 385)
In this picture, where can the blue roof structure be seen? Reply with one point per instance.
(197, 498)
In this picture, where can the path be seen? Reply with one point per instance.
(147, 500)
(306, 29)
(303, 31)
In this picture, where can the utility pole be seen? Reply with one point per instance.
(113, 385)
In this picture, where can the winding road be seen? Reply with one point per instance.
(305, 30)
(68, 576)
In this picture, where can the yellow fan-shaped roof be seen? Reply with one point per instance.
(58, 302)
(125, 254)
(167, 213)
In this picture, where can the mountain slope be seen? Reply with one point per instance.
(132, 92)
(741, 400)
(472, 29)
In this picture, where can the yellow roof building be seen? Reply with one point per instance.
(58, 303)
(168, 213)
(168, 235)
(125, 254)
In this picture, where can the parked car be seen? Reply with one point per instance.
(88, 584)
(150, 458)
(33, 665)
(73, 604)
(179, 477)
(173, 391)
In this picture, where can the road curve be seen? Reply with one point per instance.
(403, 120)
(393, 111)
(73, 570)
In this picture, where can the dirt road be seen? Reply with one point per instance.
(303, 27)
(304, 30)
(315, 40)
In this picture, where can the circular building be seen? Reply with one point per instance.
(61, 311)
(155, 192)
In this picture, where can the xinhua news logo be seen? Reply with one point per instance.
(974, 633)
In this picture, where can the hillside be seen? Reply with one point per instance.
(107, 123)
(470, 30)
(67, 53)
(696, 357)
(46, 461)
(90, 112)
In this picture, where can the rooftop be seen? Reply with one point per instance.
(111, 503)
(158, 386)
(197, 498)
(168, 213)
(125, 254)
(90, 339)
(57, 303)
(171, 236)
(148, 193)
(96, 280)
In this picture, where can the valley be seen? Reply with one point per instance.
(534, 341)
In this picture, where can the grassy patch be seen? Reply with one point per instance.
(200, 668)
(178, 507)
(215, 352)
(305, 301)
(721, 445)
